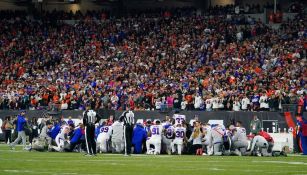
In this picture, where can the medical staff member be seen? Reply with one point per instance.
(303, 126)
(139, 135)
(21, 122)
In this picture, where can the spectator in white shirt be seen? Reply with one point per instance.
(184, 105)
(221, 104)
(236, 105)
(158, 104)
(198, 101)
(209, 102)
(264, 105)
(245, 102)
(215, 103)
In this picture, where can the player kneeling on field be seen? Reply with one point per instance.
(259, 146)
(239, 139)
(61, 139)
(155, 134)
(180, 137)
(75, 139)
(117, 137)
(168, 137)
(217, 134)
(103, 139)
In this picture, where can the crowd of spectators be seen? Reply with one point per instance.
(162, 61)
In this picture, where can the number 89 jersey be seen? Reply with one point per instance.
(156, 131)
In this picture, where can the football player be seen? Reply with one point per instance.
(207, 141)
(155, 133)
(61, 138)
(259, 146)
(180, 137)
(168, 137)
(179, 118)
(217, 133)
(117, 136)
(239, 139)
(104, 138)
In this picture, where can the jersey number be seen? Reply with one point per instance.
(169, 132)
(155, 131)
(104, 129)
(180, 134)
(179, 120)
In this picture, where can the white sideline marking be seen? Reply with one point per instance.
(284, 162)
(216, 169)
(38, 172)
(26, 171)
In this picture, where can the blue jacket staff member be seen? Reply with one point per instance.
(75, 138)
(89, 120)
(303, 134)
(128, 118)
(139, 136)
(21, 122)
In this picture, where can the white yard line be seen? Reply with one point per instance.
(41, 172)
(25, 171)
(216, 169)
(282, 162)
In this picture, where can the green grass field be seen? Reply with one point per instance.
(23, 162)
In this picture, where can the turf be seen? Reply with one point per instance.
(23, 162)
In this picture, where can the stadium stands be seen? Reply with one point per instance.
(171, 59)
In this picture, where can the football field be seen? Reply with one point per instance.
(18, 162)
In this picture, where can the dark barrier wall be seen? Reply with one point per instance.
(226, 116)
(40, 114)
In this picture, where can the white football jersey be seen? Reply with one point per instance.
(179, 118)
(156, 131)
(180, 132)
(106, 131)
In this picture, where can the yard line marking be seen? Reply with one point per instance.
(284, 162)
(26, 171)
(216, 169)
